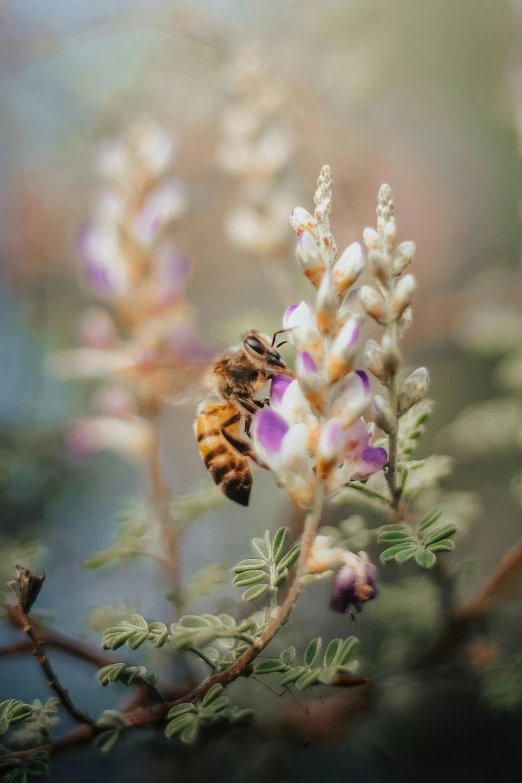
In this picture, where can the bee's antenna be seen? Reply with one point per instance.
(281, 331)
(280, 344)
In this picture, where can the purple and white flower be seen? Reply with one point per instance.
(354, 584)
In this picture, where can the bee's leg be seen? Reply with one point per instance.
(250, 407)
(241, 446)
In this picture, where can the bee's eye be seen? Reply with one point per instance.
(255, 344)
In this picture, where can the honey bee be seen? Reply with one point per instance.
(228, 387)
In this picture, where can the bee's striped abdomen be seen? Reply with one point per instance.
(229, 469)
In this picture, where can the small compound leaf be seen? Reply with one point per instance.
(292, 675)
(194, 621)
(212, 694)
(281, 579)
(263, 547)
(327, 675)
(346, 650)
(396, 536)
(425, 558)
(406, 554)
(13, 711)
(429, 520)
(391, 552)
(279, 543)
(268, 667)
(288, 655)
(255, 592)
(106, 740)
(446, 531)
(181, 709)
(307, 679)
(250, 577)
(190, 734)
(179, 724)
(217, 705)
(288, 560)
(249, 564)
(442, 546)
(331, 652)
(312, 651)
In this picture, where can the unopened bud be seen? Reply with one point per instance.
(404, 322)
(382, 415)
(389, 233)
(342, 354)
(374, 360)
(301, 220)
(390, 355)
(330, 447)
(310, 380)
(371, 239)
(414, 389)
(379, 266)
(402, 257)
(327, 304)
(402, 295)
(373, 303)
(348, 268)
(310, 259)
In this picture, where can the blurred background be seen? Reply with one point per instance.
(234, 107)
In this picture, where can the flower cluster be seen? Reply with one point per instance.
(256, 149)
(313, 433)
(129, 261)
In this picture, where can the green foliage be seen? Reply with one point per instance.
(137, 536)
(269, 571)
(337, 659)
(39, 726)
(202, 583)
(186, 720)
(411, 427)
(108, 615)
(111, 723)
(352, 533)
(421, 543)
(128, 675)
(13, 711)
(19, 770)
(502, 685)
(134, 632)
(199, 631)
(187, 508)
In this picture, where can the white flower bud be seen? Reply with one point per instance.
(310, 380)
(379, 266)
(404, 322)
(390, 355)
(414, 389)
(348, 268)
(374, 360)
(382, 414)
(403, 294)
(402, 257)
(371, 239)
(301, 220)
(343, 351)
(327, 304)
(310, 259)
(373, 303)
(330, 447)
(389, 234)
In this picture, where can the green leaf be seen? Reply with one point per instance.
(442, 546)
(255, 592)
(327, 675)
(106, 740)
(312, 651)
(288, 560)
(133, 632)
(263, 547)
(288, 655)
(190, 734)
(280, 580)
(406, 554)
(180, 724)
(250, 578)
(212, 694)
(446, 531)
(181, 709)
(331, 652)
(389, 554)
(346, 650)
(249, 564)
(307, 679)
(125, 674)
(279, 543)
(398, 535)
(292, 675)
(425, 558)
(429, 519)
(37, 765)
(16, 776)
(202, 583)
(268, 667)
(217, 705)
(194, 621)
(12, 711)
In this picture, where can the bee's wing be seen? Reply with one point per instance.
(175, 383)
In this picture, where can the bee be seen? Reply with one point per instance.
(228, 388)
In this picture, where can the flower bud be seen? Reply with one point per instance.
(402, 257)
(390, 355)
(379, 266)
(348, 268)
(371, 239)
(310, 380)
(404, 322)
(373, 303)
(327, 304)
(304, 331)
(402, 295)
(330, 447)
(374, 360)
(310, 259)
(414, 389)
(389, 233)
(354, 398)
(382, 414)
(342, 354)
(323, 556)
(301, 220)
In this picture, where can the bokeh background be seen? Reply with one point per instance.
(424, 95)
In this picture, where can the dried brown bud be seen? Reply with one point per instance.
(26, 587)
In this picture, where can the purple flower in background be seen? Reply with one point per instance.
(351, 590)
(102, 259)
(173, 269)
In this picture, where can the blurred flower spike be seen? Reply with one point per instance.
(130, 261)
(313, 432)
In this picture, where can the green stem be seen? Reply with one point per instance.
(372, 493)
(203, 657)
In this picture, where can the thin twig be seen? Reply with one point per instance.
(27, 626)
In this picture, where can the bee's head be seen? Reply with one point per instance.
(259, 349)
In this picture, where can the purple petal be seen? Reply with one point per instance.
(344, 593)
(269, 429)
(278, 387)
(357, 439)
(331, 439)
(372, 459)
(365, 381)
(96, 273)
(306, 362)
(173, 270)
